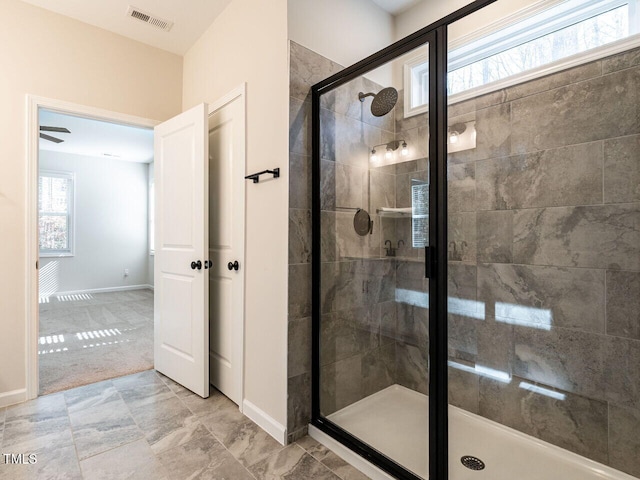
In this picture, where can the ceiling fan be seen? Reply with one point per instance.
(52, 129)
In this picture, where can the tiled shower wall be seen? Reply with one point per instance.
(545, 226)
(364, 347)
(548, 208)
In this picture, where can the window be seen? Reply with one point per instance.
(529, 47)
(55, 213)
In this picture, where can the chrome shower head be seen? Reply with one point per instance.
(383, 102)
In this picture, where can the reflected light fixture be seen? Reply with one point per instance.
(455, 131)
(390, 147)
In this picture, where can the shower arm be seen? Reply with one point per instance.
(362, 96)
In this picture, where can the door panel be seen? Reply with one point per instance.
(181, 323)
(226, 221)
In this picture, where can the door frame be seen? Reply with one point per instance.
(33, 104)
(239, 92)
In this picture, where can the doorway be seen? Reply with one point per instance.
(90, 308)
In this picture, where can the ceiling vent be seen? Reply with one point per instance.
(149, 18)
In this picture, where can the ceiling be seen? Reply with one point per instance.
(95, 138)
(394, 7)
(191, 18)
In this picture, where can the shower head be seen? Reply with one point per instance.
(383, 102)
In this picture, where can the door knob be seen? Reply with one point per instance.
(208, 264)
(233, 266)
(197, 265)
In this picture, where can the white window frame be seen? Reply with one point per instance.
(508, 32)
(71, 207)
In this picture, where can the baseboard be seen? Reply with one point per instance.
(264, 421)
(352, 458)
(102, 290)
(12, 397)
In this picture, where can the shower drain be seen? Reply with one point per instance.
(472, 463)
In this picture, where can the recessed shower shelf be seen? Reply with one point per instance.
(394, 212)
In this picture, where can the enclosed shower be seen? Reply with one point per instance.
(476, 258)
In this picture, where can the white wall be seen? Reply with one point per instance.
(345, 31)
(111, 225)
(248, 43)
(429, 11)
(53, 56)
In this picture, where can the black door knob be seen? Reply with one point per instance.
(197, 265)
(233, 266)
(208, 264)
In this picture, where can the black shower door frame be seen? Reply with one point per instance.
(435, 35)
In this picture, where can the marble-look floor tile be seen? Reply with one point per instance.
(54, 464)
(134, 461)
(203, 458)
(205, 406)
(291, 462)
(90, 395)
(100, 428)
(146, 394)
(330, 460)
(38, 425)
(166, 423)
(249, 443)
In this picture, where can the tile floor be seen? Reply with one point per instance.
(145, 426)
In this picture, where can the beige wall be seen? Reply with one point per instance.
(49, 55)
(248, 43)
(345, 31)
(429, 11)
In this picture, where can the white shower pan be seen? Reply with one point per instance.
(394, 421)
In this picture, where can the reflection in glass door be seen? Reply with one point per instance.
(374, 317)
(544, 247)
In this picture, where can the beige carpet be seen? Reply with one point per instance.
(92, 337)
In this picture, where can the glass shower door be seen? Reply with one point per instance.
(374, 321)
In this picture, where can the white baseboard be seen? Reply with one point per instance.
(264, 421)
(352, 458)
(101, 290)
(12, 397)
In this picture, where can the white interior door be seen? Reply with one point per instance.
(226, 244)
(181, 323)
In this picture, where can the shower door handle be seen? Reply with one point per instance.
(429, 262)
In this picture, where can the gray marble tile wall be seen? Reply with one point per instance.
(358, 347)
(545, 323)
(369, 339)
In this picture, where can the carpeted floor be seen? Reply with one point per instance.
(87, 338)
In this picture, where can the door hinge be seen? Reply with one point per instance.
(429, 262)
